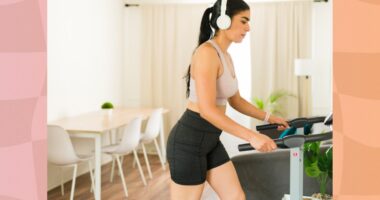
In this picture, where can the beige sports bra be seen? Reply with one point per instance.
(226, 85)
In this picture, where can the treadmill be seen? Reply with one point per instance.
(294, 138)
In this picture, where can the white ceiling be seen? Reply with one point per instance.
(195, 1)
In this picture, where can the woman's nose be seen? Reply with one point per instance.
(247, 28)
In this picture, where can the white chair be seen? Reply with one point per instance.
(61, 153)
(129, 143)
(151, 133)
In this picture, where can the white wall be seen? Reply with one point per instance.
(322, 55)
(85, 62)
(132, 54)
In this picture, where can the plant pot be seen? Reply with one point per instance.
(287, 197)
(318, 196)
(315, 196)
(107, 113)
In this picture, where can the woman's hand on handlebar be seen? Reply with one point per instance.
(283, 124)
(262, 143)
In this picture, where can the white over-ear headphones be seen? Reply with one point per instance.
(223, 21)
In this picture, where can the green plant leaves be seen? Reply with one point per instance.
(312, 170)
(272, 103)
(107, 105)
(311, 151)
(259, 103)
(278, 94)
(322, 163)
(318, 165)
(329, 157)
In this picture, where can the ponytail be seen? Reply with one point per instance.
(205, 30)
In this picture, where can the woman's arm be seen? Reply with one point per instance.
(243, 106)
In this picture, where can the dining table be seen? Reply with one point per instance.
(97, 123)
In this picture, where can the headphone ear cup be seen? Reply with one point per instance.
(223, 22)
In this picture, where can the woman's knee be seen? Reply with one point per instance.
(185, 192)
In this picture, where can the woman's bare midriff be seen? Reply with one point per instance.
(194, 107)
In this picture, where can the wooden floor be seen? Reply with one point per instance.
(157, 188)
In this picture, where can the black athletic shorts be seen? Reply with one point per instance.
(194, 148)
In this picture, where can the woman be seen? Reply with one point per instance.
(195, 153)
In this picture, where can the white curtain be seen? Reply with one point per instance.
(170, 35)
(281, 32)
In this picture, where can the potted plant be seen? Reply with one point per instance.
(272, 103)
(108, 107)
(318, 165)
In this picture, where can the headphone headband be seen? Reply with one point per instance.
(223, 7)
(223, 20)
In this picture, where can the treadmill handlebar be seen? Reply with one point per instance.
(248, 147)
(297, 123)
(318, 137)
(288, 140)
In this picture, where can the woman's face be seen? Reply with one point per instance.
(239, 26)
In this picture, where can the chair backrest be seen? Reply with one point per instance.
(60, 149)
(131, 136)
(154, 124)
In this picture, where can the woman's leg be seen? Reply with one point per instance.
(185, 192)
(225, 182)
